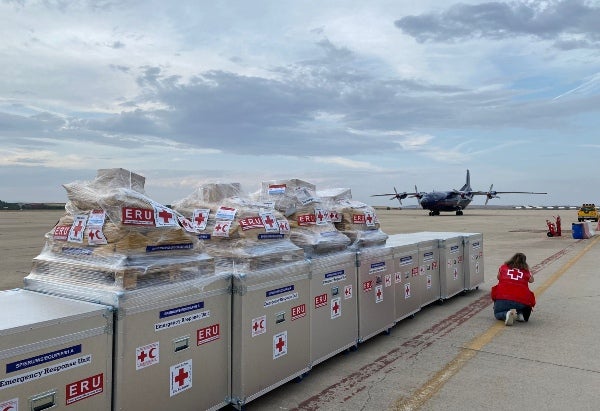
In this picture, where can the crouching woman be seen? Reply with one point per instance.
(513, 300)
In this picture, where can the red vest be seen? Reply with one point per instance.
(513, 285)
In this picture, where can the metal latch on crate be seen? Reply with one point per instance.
(42, 401)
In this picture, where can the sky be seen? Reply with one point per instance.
(369, 96)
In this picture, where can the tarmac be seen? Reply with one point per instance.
(451, 355)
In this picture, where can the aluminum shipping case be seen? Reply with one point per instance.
(473, 252)
(452, 274)
(376, 291)
(55, 353)
(270, 329)
(408, 293)
(333, 305)
(453, 268)
(172, 340)
(429, 267)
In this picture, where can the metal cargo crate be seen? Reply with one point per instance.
(270, 329)
(55, 353)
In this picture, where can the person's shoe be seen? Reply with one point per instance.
(520, 318)
(510, 316)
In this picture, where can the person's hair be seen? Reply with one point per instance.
(518, 261)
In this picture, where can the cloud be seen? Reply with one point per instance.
(570, 23)
(347, 163)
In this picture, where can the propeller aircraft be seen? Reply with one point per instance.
(451, 200)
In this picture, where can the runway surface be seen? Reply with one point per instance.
(453, 355)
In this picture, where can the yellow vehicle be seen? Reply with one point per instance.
(587, 212)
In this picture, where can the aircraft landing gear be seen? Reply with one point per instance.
(459, 212)
(432, 213)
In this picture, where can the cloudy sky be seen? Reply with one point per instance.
(366, 95)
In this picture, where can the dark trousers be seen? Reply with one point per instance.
(502, 306)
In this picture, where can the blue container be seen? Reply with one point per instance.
(577, 230)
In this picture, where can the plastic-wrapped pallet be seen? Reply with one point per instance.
(114, 235)
(353, 218)
(125, 250)
(239, 233)
(310, 222)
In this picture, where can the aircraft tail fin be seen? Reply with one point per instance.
(467, 186)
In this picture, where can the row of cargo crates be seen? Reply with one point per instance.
(223, 339)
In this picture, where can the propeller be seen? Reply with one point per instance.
(490, 194)
(394, 196)
(418, 195)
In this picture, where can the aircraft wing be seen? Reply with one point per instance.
(484, 193)
(396, 195)
(494, 194)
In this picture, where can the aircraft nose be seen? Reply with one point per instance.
(427, 201)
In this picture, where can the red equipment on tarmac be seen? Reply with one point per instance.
(554, 228)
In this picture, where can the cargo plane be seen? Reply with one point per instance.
(451, 200)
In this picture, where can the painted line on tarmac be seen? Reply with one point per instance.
(434, 384)
(356, 382)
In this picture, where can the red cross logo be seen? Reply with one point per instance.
(199, 219)
(142, 356)
(515, 274)
(280, 344)
(407, 290)
(379, 293)
(369, 218)
(78, 228)
(165, 215)
(180, 378)
(268, 220)
(335, 307)
(320, 216)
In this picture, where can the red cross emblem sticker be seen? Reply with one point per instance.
(270, 222)
(321, 216)
(164, 217)
(96, 236)
(10, 405)
(147, 355)
(284, 226)
(186, 224)
(336, 307)
(280, 345)
(181, 377)
(200, 218)
(407, 290)
(378, 293)
(259, 325)
(222, 228)
(347, 292)
(369, 218)
(77, 229)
